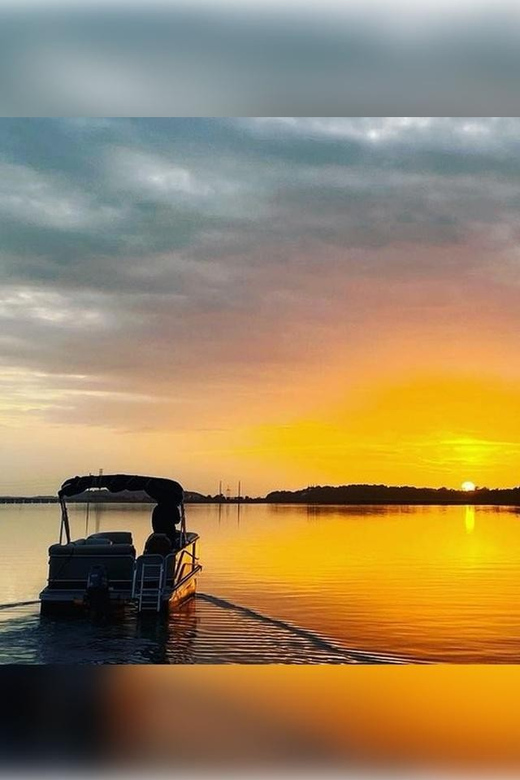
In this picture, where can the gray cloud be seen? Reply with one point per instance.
(148, 263)
(198, 59)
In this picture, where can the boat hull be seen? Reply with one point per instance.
(182, 593)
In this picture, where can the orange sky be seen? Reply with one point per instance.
(309, 305)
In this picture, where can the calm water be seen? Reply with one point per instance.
(417, 583)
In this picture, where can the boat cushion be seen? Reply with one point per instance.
(88, 550)
(116, 537)
(73, 563)
(157, 544)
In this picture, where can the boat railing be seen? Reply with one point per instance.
(185, 553)
(167, 576)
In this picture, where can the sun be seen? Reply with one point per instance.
(468, 487)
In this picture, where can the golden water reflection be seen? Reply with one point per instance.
(429, 583)
(421, 583)
(469, 519)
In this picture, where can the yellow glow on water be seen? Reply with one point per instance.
(423, 583)
(436, 583)
(469, 519)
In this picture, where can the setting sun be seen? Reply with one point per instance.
(468, 487)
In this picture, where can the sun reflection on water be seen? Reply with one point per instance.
(469, 519)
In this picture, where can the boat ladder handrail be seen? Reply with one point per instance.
(149, 597)
(184, 553)
(158, 577)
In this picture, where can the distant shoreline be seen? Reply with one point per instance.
(18, 500)
(317, 495)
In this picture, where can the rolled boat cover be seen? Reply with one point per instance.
(159, 489)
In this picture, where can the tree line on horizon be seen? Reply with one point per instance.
(387, 494)
(327, 494)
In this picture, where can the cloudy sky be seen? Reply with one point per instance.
(282, 301)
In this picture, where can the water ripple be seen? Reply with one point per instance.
(206, 630)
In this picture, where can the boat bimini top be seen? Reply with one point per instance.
(163, 491)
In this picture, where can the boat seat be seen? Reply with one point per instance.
(70, 564)
(88, 549)
(157, 544)
(116, 537)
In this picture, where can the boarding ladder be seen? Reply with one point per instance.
(148, 587)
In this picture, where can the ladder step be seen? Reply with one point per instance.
(149, 590)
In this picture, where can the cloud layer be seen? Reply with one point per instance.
(177, 274)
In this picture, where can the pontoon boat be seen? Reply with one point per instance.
(103, 570)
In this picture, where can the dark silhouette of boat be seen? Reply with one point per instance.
(103, 570)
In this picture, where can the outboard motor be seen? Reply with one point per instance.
(98, 596)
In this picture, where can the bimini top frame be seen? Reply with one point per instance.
(163, 491)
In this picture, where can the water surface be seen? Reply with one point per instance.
(412, 583)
